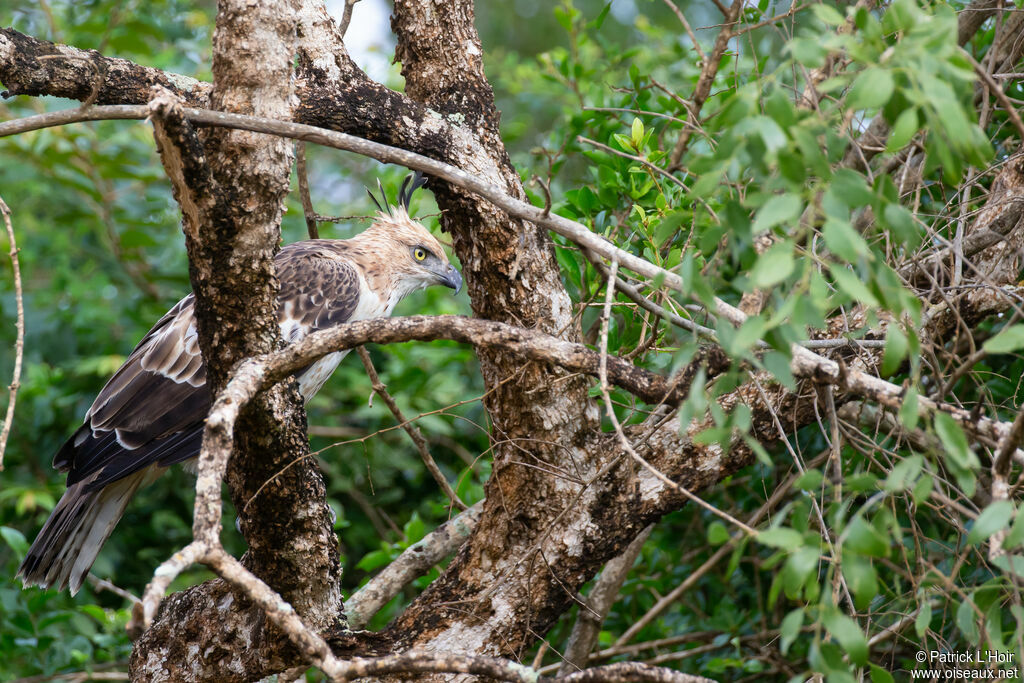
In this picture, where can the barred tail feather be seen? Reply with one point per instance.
(77, 528)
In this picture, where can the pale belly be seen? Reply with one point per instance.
(370, 306)
(312, 379)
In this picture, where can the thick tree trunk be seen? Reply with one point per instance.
(231, 241)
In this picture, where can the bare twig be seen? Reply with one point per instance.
(19, 344)
(686, 26)
(1008, 446)
(602, 375)
(809, 97)
(633, 157)
(251, 377)
(411, 429)
(634, 294)
(1008, 106)
(707, 76)
(99, 584)
(346, 18)
(98, 69)
(631, 672)
(691, 579)
(304, 197)
(256, 374)
(600, 600)
(411, 564)
(547, 193)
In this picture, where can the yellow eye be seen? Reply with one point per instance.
(419, 254)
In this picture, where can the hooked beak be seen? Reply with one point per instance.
(451, 278)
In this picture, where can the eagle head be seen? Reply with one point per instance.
(415, 255)
(415, 258)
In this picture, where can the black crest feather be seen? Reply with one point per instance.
(386, 208)
(410, 184)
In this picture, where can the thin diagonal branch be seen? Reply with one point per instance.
(707, 76)
(19, 344)
(410, 428)
(686, 26)
(307, 202)
(599, 601)
(411, 564)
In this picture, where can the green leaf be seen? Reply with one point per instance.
(780, 537)
(717, 533)
(848, 633)
(414, 529)
(909, 414)
(15, 539)
(851, 188)
(967, 620)
(922, 490)
(773, 266)
(902, 224)
(865, 539)
(790, 627)
(1015, 538)
(771, 134)
(778, 364)
(94, 611)
(871, 89)
(1008, 340)
(852, 286)
(828, 14)
(808, 51)
(904, 474)
(954, 440)
(749, 333)
(895, 350)
(800, 570)
(809, 480)
(903, 130)
(903, 15)
(923, 619)
(563, 18)
(862, 579)
(637, 132)
(993, 518)
(374, 559)
(781, 208)
(843, 240)
(623, 142)
(880, 675)
(1011, 564)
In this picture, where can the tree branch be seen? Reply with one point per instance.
(411, 564)
(805, 363)
(600, 600)
(412, 430)
(24, 72)
(708, 71)
(19, 343)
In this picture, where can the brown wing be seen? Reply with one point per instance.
(319, 287)
(152, 409)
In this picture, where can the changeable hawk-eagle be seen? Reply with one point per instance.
(150, 414)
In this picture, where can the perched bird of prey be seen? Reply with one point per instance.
(150, 414)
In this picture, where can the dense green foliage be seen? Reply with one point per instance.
(874, 550)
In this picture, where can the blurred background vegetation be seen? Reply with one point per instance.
(102, 259)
